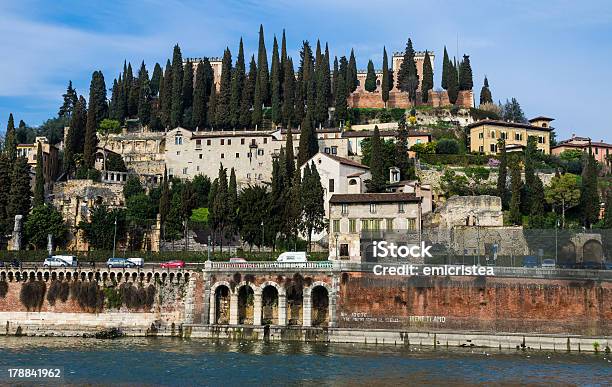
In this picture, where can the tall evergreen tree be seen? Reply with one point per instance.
(132, 90)
(407, 76)
(309, 145)
(10, 139)
(200, 97)
(19, 195)
(144, 95)
(223, 117)
(515, 200)
(165, 94)
(446, 69)
(288, 94)
(370, 81)
(96, 113)
(327, 78)
(453, 84)
(341, 105)
(502, 172)
(485, 93)
(351, 74)
(378, 182)
(257, 116)
(283, 61)
(466, 81)
(335, 74)
(156, 79)
(275, 84)
(428, 79)
(70, 100)
(212, 107)
(188, 93)
(312, 203)
(589, 195)
(248, 93)
(289, 162)
(237, 85)
(385, 84)
(322, 92)
(39, 186)
(262, 67)
(232, 204)
(75, 138)
(164, 200)
(5, 188)
(292, 214)
(402, 161)
(176, 111)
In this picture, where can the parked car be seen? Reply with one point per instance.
(549, 262)
(237, 260)
(590, 265)
(120, 262)
(176, 264)
(55, 262)
(292, 256)
(530, 261)
(139, 262)
(71, 260)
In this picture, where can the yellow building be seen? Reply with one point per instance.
(485, 134)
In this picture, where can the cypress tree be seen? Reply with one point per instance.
(515, 200)
(75, 138)
(309, 145)
(223, 117)
(485, 93)
(176, 111)
(212, 107)
(5, 187)
(378, 182)
(312, 203)
(453, 84)
(248, 92)
(327, 78)
(257, 115)
(276, 84)
(95, 114)
(530, 176)
(466, 81)
(289, 157)
(156, 79)
(70, 100)
(164, 199)
(589, 196)
(341, 91)
(113, 107)
(446, 69)
(166, 96)
(200, 98)
(428, 80)
(385, 84)
(20, 194)
(407, 76)
(39, 186)
(10, 139)
(335, 75)
(187, 86)
(262, 67)
(132, 88)
(503, 172)
(232, 203)
(322, 97)
(237, 86)
(283, 61)
(289, 94)
(293, 208)
(370, 81)
(144, 96)
(299, 108)
(402, 161)
(351, 74)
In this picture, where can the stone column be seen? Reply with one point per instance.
(233, 320)
(257, 308)
(307, 309)
(282, 309)
(206, 302)
(189, 301)
(15, 244)
(333, 297)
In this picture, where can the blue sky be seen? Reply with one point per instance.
(553, 56)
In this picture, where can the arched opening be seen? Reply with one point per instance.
(246, 303)
(320, 306)
(567, 253)
(222, 305)
(592, 251)
(269, 306)
(295, 302)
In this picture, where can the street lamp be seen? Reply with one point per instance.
(477, 238)
(336, 237)
(557, 241)
(115, 236)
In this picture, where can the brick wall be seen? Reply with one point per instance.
(362, 99)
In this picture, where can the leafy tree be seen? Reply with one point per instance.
(378, 182)
(156, 80)
(428, 148)
(477, 179)
(312, 203)
(238, 80)
(370, 82)
(447, 146)
(39, 187)
(407, 76)
(132, 187)
(263, 77)
(100, 230)
(176, 111)
(140, 208)
(253, 209)
(10, 141)
(114, 162)
(515, 200)
(220, 209)
(351, 74)
(428, 81)
(512, 112)
(465, 74)
(106, 128)
(563, 193)
(502, 172)
(388, 153)
(607, 220)
(589, 195)
(45, 220)
(201, 189)
(70, 101)
(453, 184)
(485, 93)
(385, 84)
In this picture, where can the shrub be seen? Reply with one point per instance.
(447, 146)
(113, 298)
(53, 292)
(3, 289)
(88, 295)
(32, 294)
(134, 297)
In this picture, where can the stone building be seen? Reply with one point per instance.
(215, 63)
(50, 160)
(143, 151)
(599, 149)
(484, 135)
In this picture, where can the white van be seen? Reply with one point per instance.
(139, 262)
(70, 260)
(292, 256)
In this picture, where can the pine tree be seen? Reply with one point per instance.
(299, 107)
(277, 199)
(144, 96)
(288, 94)
(187, 94)
(589, 196)
(530, 154)
(156, 79)
(176, 111)
(378, 181)
(166, 96)
(70, 100)
(39, 187)
(262, 66)
(19, 195)
(428, 80)
(502, 172)
(485, 93)
(402, 161)
(407, 76)
(385, 84)
(515, 200)
(10, 139)
(236, 88)
(453, 84)
(200, 98)
(370, 82)
(222, 114)
(465, 74)
(308, 140)
(289, 157)
(275, 75)
(341, 105)
(351, 74)
(446, 69)
(5, 187)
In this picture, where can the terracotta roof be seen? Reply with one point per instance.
(383, 133)
(374, 198)
(596, 144)
(508, 125)
(321, 130)
(344, 161)
(541, 118)
(237, 133)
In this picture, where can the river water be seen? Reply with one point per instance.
(183, 362)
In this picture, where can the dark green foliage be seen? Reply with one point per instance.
(144, 95)
(32, 295)
(288, 94)
(99, 231)
(453, 83)
(407, 76)
(19, 194)
(370, 82)
(114, 162)
(341, 91)
(45, 220)
(607, 220)
(88, 295)
(201, 189)
(263, 76)
(58, 290)
(446, 69)
(248, 93)
(212, 108)
(485, 93)
(511, 111)
(187, 87)
(385, 84)
(531, 151)
(289, 157)
(402, 161)
(3, 289)
(515, 187)
(388, 154)
(447, 146)
(237, 85)
(293, 208)
(589, 195)
(5, 188)
(75, 140)
(378, 182)
(156, 80)
(10, 140)
(132, 88)
(323, 87)
(275, 84)
(428, 81)
(164, 200)
(312, 203)
(502, 172)
(39, 186)
(97, 111)
(132, 187)
(253, 209)
(465, 74)
(278, 197)
(309, 145)
(165, 95)
(176, 111)
(70, 101)
(351, 74)
(222, 115)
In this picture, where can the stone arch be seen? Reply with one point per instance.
(567, 253)
(592, 251)
(319, 299)
(220, 303)
(270, 302)
(294, 302)
(245, 292)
